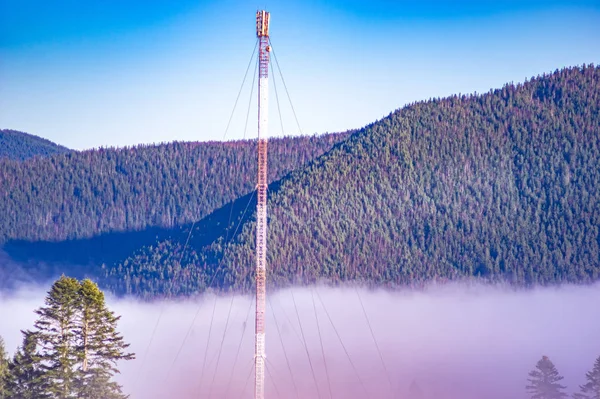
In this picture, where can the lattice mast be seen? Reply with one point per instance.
(262, 32)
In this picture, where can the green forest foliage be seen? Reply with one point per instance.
(20, 146)
(83, 194)
(499, 186)
(3, 370)
(72, 351)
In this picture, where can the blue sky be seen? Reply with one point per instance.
(112, 73)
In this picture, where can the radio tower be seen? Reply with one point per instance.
(262, 32)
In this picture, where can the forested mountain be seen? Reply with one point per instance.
(501, 186)
(20, 146)
(81, 195)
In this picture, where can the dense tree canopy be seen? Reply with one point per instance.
(499, 186)
(27, 375)
(83, 194)
(20, 146)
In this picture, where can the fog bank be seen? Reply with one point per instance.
(456, 342)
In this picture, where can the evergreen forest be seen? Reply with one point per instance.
(501, 186)
(79, 195)
(20, 146)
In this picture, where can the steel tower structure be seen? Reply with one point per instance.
(262, 32)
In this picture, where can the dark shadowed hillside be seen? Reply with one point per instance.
(81, 195)
(503, 185)
(19, 146)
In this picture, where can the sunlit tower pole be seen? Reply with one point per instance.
(262, 32)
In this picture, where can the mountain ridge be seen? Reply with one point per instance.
(20, 146)
(498, 186)
(79, 195)
(90, 194)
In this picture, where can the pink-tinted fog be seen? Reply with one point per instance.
(456, 342)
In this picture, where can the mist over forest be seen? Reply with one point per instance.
(469, 224)
(501, 186)
(455, 341)
(412, 213)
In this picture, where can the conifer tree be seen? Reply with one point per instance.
(544, 381)
(100, 346)
(3, 370)
(591, 389)
(55, 329)
(27, 376)
(73, 351)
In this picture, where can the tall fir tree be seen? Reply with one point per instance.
(27, 375)
(3, 370)
(56, 331)
(591, 389)
(544, 381)
(100, 346)
(73, 351)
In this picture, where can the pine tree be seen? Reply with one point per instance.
(55, 329)
(27, 376)
(544, 381)
(3, 370)
(100, 346)
(78, 341)
(591, 389)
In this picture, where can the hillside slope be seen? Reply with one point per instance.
(501, 186)
(20, 146)
(81, 195)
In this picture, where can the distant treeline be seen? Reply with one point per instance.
(499, 186)
(20, 146)
(82, 194)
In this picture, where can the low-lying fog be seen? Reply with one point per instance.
(456, 342)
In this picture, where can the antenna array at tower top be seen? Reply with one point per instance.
(262, 23)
